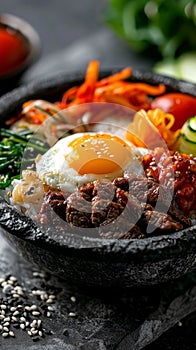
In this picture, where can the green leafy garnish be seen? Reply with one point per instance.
(16, 148)
(162, 29)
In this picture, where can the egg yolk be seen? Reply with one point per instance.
(98, 154)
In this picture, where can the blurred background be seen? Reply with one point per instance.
(71, 33)
(58, 22)
(143, 34)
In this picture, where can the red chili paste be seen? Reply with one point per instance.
(13, 51)
(176, 170)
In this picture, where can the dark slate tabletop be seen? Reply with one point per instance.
(72, 33)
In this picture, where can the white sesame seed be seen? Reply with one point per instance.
(38, 274)
(29, 333)
(14, 319)
(6, 324)
(22, 326)
(40, 333)
(4, 284)
(6, 329)
(72, 314)
(12, 278)
(11, 333)
(35, 313)
(33, 323)
(39, 322)
(3, 307)
(2, 280)
(38, 292)
(10, 282)
(50, 308)
(49, 301)
(17, 287)
(52, 296)
(5, 334)
(35, 292)
(73, 299)
(23, 319)
(16, 296)
(2, 317)
(12, 309)
(20, 292)
(15, 313)
(33, 307)
(28, 308)
(35, 274)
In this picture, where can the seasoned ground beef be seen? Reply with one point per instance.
(132, 206)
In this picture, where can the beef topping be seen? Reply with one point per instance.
(133, 206)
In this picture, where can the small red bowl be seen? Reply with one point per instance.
(23, 33)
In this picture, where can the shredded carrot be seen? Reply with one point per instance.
(86, 90)
(117, 89)
(113, 89)
(123, 74)
(142, 87)
(69, 95)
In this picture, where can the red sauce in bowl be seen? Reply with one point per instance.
(13, 51)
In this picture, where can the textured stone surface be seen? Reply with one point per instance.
(126, 320)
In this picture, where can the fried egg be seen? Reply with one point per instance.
(85, 157)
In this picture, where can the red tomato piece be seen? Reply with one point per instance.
(182, 106)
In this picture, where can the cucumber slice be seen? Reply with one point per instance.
(167, 67)
(188, 137)
(192, 125)
(183, 67)
(187, 66)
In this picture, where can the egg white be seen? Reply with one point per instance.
(53, 169)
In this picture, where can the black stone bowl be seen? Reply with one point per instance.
(87, 261)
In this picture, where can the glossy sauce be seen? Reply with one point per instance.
(178, 167)
(13, 51)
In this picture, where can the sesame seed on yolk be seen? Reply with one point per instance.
(98, 154)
